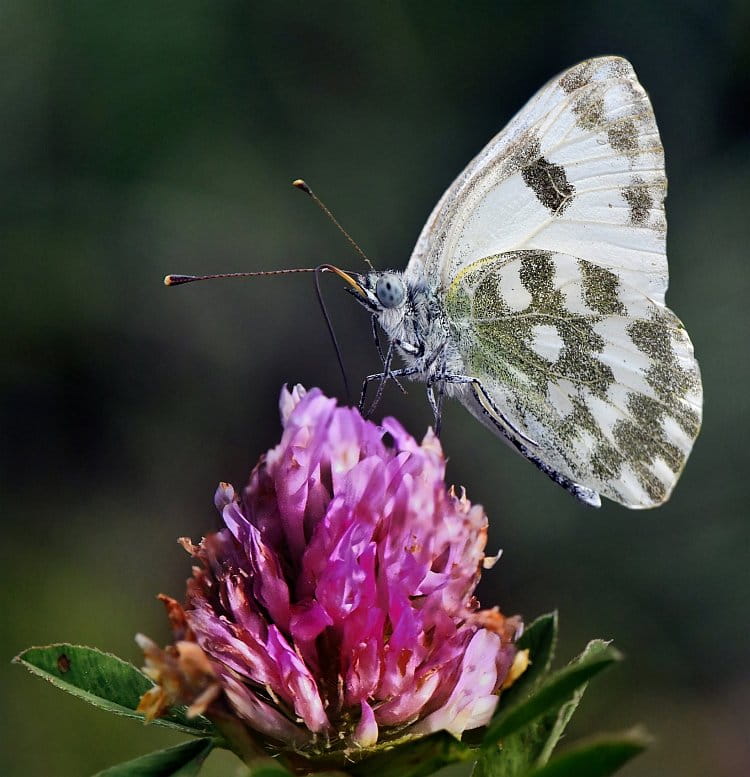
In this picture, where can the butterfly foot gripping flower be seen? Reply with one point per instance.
(334, 614)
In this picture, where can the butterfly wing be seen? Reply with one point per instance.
(597, 374)
(550, 252)
(580, 169)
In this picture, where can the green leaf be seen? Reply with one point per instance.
(554, 691)
(105, 681)
(419, 758)
(530, 745)
(183, 760)
(540, 639)
(597, 757)
(533, 742)
(552, 726)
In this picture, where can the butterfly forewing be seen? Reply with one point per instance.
(549, 252)
(580, 169)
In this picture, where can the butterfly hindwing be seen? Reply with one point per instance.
(597, 374)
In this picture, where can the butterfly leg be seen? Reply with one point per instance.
(379, 348)
(386, 374)
(404, 372)
(436, 402)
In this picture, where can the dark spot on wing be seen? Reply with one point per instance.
(654, 487)
(579, 418)
(550, 184)
(537, 274)
(623, 136)
(639, 450)
(670, 381)
(639, 201)
(577, 77)
(620, 68)
(578, 360)
(649, 414)
(63, 663)
(688, 419)
(652, 337)
(589, 110)
(488, 302)
(643, 440)
(606, 461)
(600, 289)
(666, 376)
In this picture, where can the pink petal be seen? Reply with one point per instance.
(308, 621)
(247, 657)
(298, 686)
(262, 716)
(289, 400)
(224, 495)
(405, 707)
(473, 701)
(366, 732)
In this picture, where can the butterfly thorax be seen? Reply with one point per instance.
(417, 329)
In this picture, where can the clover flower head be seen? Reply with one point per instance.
(335, 610)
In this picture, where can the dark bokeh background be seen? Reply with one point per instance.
(143, 138)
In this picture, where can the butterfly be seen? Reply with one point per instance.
(535, 294)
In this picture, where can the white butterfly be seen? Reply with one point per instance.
(535, 294)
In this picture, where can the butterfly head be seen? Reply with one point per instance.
(382, 291)
(390, 290)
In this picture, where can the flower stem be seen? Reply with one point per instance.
(239, 739)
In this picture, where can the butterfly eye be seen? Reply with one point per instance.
(390, 290)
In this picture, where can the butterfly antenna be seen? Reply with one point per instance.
(302, 186)
(176, 280)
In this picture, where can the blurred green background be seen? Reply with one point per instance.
(143, 138)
